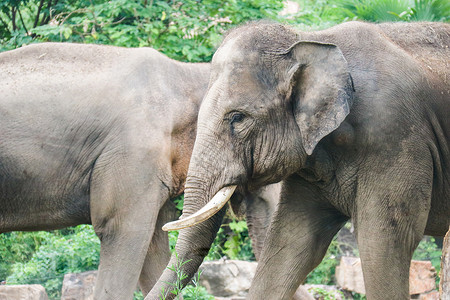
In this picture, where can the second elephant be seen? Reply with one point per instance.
(102, 135)
(98, 135)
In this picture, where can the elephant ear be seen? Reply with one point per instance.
(321, 89)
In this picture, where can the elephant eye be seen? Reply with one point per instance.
(235, 120)
(236, 117)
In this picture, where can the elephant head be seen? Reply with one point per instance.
(272, 97)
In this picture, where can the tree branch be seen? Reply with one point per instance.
(44, 15)
(21, 19)
(36, 20)
(13, 18)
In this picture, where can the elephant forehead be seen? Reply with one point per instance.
(231, 53)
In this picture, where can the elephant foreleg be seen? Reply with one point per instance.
(158, 254)
(392, 210)
(298, 237)
(124, 210)
(261, 206)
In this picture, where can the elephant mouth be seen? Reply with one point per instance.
(206, 212)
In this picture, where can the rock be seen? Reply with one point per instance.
(347, 241)
(422, 277)
(434, 295)
(227, 278)
(444, 285)
(79, 286)
(349, 276)
(23, 292)
(302, 293)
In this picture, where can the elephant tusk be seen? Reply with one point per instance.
(206, 212)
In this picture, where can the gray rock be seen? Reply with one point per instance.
(349, 276)
(79, 286)
(227, 278)
(23, 292)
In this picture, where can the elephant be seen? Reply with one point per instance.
(122, 132)
(101, 135)
(352, 120)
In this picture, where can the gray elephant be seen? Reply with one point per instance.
(355, 122)
(98, 135)
(103, 135)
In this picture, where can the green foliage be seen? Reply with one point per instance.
(18, 247)
(138, 295)
(178, 270)
(322, 14)
(315, 15)
(57, 255)
(191, 292)
(323, 294)
(232, 241)
(357, 296)
(195, 291)
(324, 272)
(397, 10)
(184, 30)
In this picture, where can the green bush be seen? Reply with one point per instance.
(57, 255)
(232, 241)
(320, 293)
(18, 247)
(322, 14)
(396, 10)
(184, 30)
(324, 272)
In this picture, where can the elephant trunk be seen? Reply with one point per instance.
(192, 246)
(194, 242)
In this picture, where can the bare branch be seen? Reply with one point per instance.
(13, 18)
(44, 16)
(21, 19)
(36, 20)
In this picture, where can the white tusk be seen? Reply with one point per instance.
(206, 212)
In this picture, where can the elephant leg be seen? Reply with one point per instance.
(298, 237)
(259, 213)
(260, 208)
(391, 216)
(124, 210)
(158, 254)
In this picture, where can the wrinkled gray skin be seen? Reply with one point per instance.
(259, 207)
(355, 121)
(98, 135)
